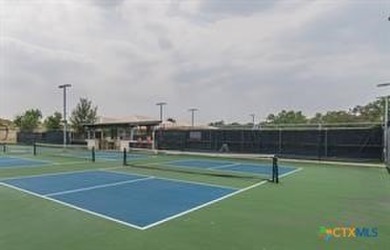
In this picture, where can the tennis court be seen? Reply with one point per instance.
(136, 200)
(133, 200)
(144, 199)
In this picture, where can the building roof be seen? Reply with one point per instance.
(5, 122)
(134, 120)
(182, 125)
(139, 120)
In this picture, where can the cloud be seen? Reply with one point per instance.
(227, 58)
(108, 3)
(231, 7)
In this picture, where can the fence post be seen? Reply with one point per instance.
(280, 141)
(326, 142)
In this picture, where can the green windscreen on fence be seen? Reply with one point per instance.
(364, 143)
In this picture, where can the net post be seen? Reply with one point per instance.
(124, 156)
(4, 148)
(34, 149)
(275, 169)
(93, 154)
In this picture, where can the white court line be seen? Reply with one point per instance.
(23, 166)
(178, 180)
(203, 205)
(202, 160)
(214, 201)
(71, 162)
(15, 158)
(153, 224)
(72, 206)
(226, 166)
(291, 172)
(58, 173)
(98, 186)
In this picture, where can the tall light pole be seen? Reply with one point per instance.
(253, 120)
(192, 110)
(64, 86)
(385, 123)
(161, 104)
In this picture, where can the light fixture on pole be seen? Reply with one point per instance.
(161, 104)
(253, 120)
(64, 87)
(385, 123)
(192, 110)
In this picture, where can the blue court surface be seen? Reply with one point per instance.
(116, 156)
(14, 162)
(133, 200)
(232, 166)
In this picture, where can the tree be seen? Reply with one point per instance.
(28, 121)
(53, 122)
(372, 112)
(171, 120)
(287, 117)
(217, 124)
(84, 113)
(317, 119)
(338, 117)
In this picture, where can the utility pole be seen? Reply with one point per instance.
(161, 104)
(64, 87)
(193, 110)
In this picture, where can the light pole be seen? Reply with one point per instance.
(161, 104)
(385, 123)
(253, 120)
(64, 86)
(192, 110)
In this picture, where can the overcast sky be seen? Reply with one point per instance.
(229, 58)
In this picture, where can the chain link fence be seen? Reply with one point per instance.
(314, 143)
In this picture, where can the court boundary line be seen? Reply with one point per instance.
(215, 201)
(46, 164)
(204, 160)
(291, 172)
(70, 163)
(98, 187)
(46, 197)
(289, 168)
(24, 166)
(152, 224)
(204, 205)
(180, 181)
(58, 173)
(24, 158)
(226, 166)
(34, 161)
(71, 206)
(168, 163)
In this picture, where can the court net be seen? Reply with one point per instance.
(16, 149)
(220, 164)
(77, 151)
(68, 151)
(217, 164)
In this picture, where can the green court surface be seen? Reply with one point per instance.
(287, 215)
